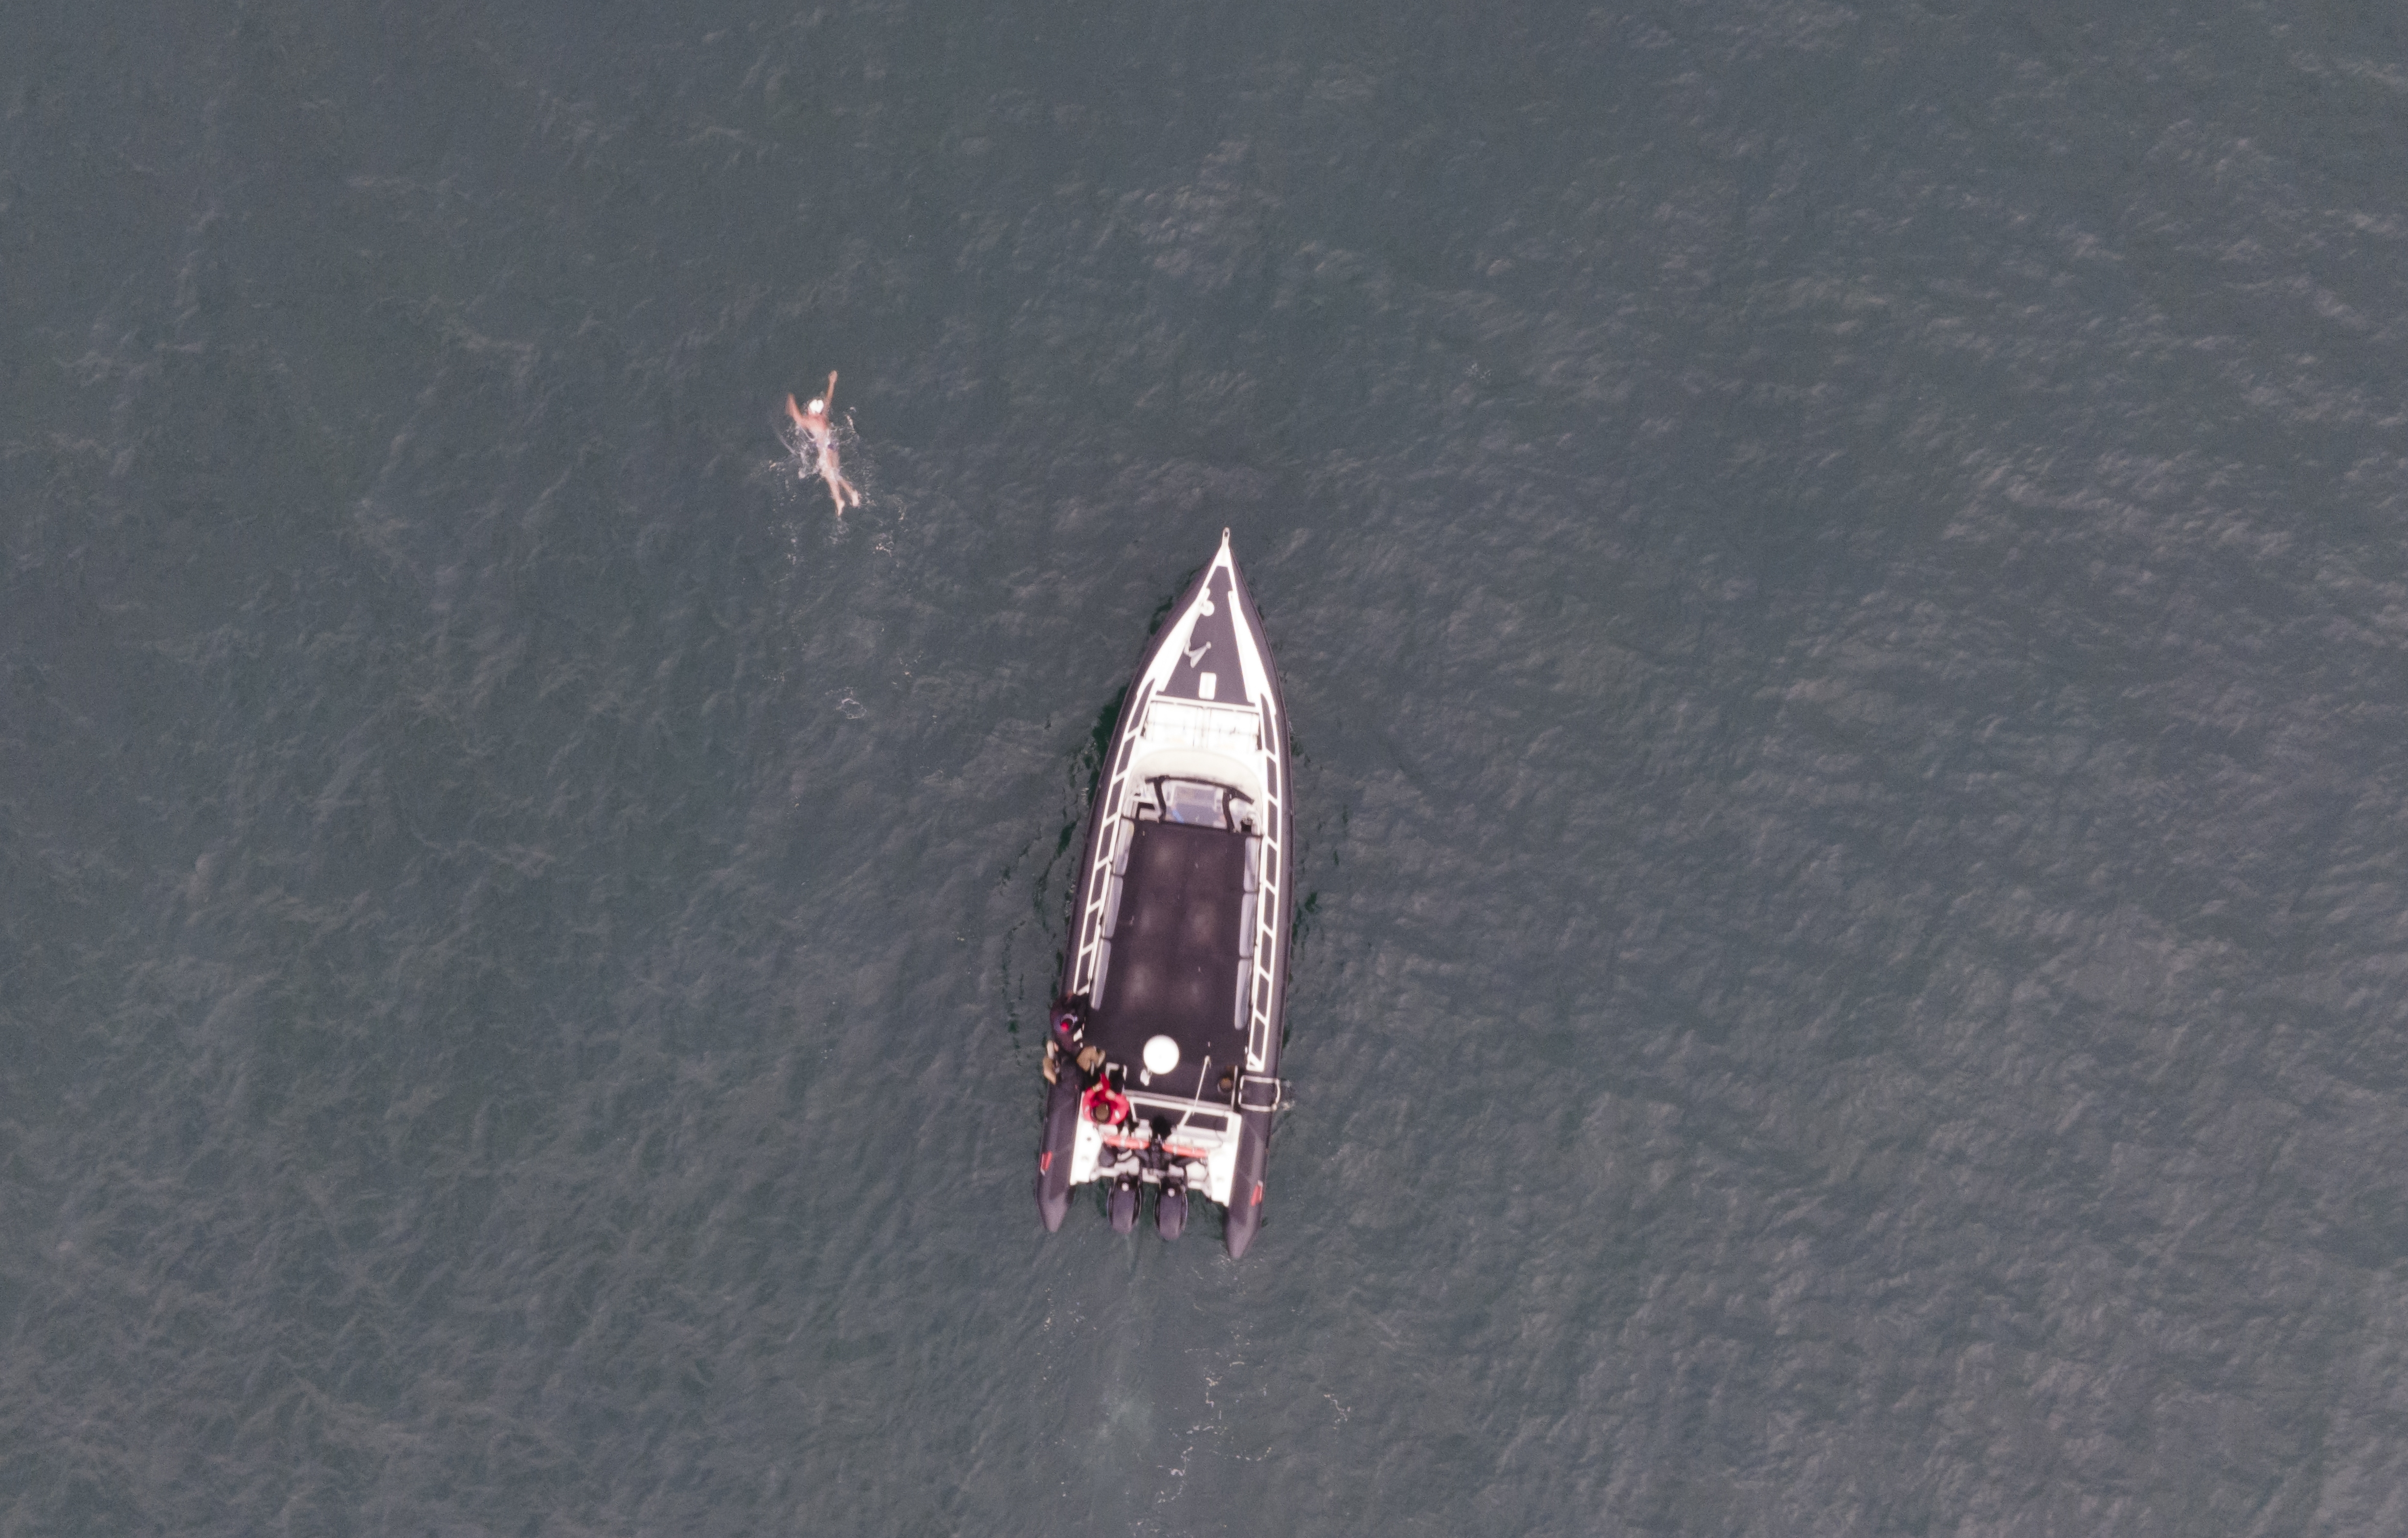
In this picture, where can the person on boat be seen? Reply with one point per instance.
(1068, 1041)
(1070, 1023)
(1106, 1106)
(812, 425)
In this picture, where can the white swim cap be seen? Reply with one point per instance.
(818, 405)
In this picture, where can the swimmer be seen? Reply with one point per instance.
(813, 424)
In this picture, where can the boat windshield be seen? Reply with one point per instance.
(1193, 802)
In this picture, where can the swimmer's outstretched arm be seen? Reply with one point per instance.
(830, 398)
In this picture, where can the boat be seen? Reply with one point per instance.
(1163, 1046)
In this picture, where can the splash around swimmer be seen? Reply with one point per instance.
(816, 442)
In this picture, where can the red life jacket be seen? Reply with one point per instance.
(1106, 1106)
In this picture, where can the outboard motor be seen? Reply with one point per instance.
(1122, 1204)
(1171, 1208)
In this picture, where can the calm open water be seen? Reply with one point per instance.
(1839, 573)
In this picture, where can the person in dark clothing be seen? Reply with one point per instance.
(1067, 1040)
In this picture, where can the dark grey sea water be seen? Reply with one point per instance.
(1839, 573)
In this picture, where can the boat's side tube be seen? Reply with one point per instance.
(1246, 1181)
(1054, 1155)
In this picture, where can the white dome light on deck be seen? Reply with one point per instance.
(1161, 1054)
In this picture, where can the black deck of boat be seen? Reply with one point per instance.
(1174, 966)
